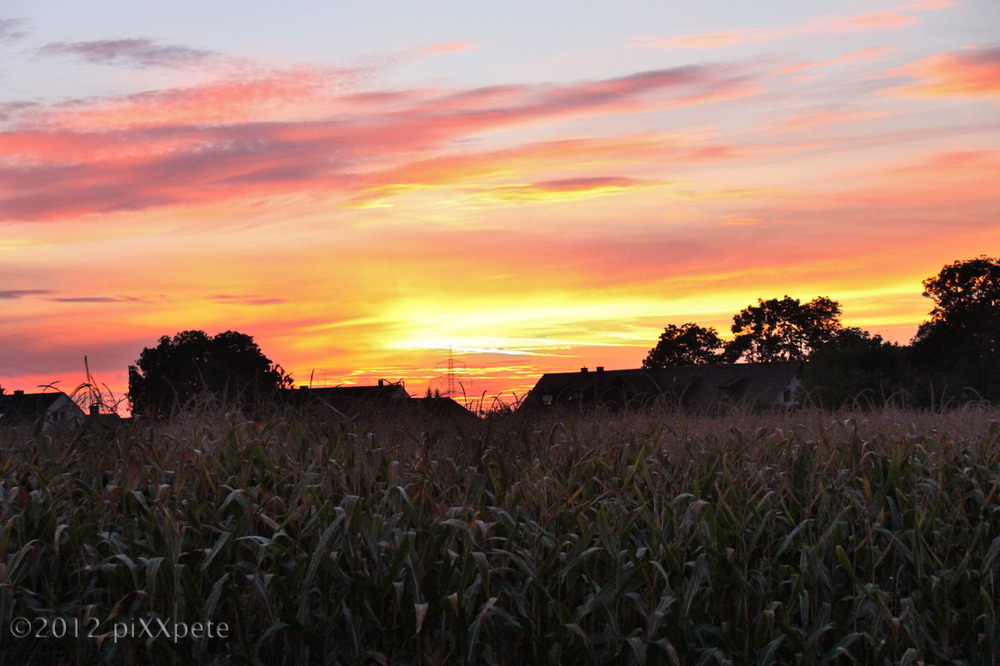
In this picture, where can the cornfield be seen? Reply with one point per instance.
(794, 538)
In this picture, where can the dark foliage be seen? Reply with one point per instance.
(855, 367)
(954, 358)
(229, 366)
(689, 344)
(785, 330)
(959, 348)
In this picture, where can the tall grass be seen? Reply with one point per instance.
(803, 538)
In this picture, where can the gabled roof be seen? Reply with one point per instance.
(440, 407)
(711, 384)
(347, 400)
(20, 408)
(387, 399)
(690, 386)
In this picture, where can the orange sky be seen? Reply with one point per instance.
(364, 197)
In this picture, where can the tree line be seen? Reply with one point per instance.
(955, 355)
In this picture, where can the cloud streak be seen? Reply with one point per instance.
(240, 299)
(11, 294)
(206, 144)
(12, 30)
(872, 21)
(563, 189)
(95, 299)
(126, 52)
(968, 73)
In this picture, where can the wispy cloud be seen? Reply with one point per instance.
(708, 40)
(96, 299)
(485, 171)
(932, 4)
(562, 189)
(860, 55)
(224, 141)
(442, 48)
(866, 22)
(974, 72)
(126, 52)
(280, 94)
(11, 110)
(10, 294)
(12, 30)
(954, 162)
(891, 19)
(810, 121)
(243, 299)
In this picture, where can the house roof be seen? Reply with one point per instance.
(692, 386)
(347, 400)
(385, 398)
(440, 407)
(708, 385)
(386, 391)
(19, 408)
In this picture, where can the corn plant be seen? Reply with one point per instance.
(654, 538)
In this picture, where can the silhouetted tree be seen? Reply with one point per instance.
(689, 344)
(782, 330)
(229, 366)
(960, 345)
(855, 366)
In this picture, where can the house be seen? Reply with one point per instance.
(27, 409)
(693, 387)
(440, 408)
(384, 399)
(348, 401)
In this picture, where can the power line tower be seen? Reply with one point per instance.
(451, 377)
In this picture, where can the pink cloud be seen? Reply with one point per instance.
(881, 20)
(292, 93)
(933, 4)
(860, 55)
(442, 48)
(499, 166)
(955, 163)
(863, 22)
(811, 120)
(285, 132)
(562, 189)
(970, 73)
(709, 40)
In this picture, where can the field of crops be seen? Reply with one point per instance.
(798, 538)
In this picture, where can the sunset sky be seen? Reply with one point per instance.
(538, 186)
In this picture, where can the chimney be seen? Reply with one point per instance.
(583, 369)
(600, 368)
(381, 382)
(18, 392)
(95, 410)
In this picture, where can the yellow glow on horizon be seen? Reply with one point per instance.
(372, 206)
